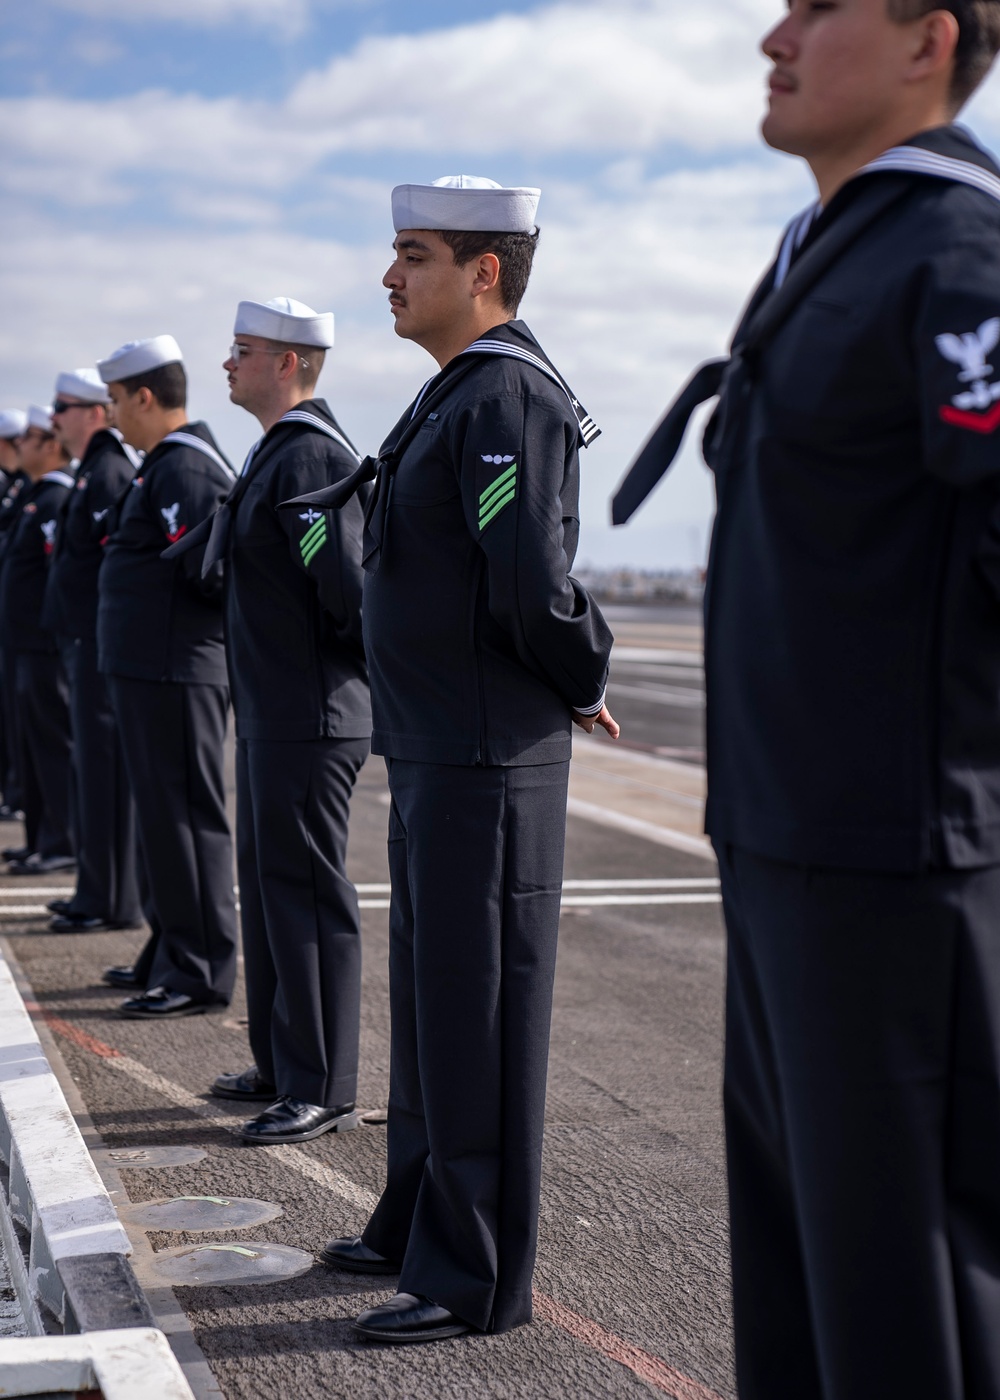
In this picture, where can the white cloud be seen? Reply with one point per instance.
(568, 77)
(563, 79)
(631, 289)
(639, 276)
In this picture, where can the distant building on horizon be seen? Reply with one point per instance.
(624, 585)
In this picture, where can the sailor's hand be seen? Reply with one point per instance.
(605, 719)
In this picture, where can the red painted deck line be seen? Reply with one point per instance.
(646, 1366)
(73, 1033)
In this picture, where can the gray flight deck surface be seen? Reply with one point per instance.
(632, 1276)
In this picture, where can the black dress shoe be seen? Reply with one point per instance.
(37, 864)
(291, 1120)
(16, 852)
(246, 1085)
(80, 923)
(161, 1004)
(10, 814)
(120, 977)
(408, 1318)
(354, 1255)
(62, 907)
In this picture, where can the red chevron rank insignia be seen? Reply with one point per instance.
(975, 422)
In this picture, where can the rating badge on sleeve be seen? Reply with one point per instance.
(315, 536)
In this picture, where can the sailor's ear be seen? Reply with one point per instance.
(487, 274)
(934, 38)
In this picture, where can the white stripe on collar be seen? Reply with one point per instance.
(59, 478)
(420, 397)
(912, 159)
(250, 456)
(299, 415)
(134, 456)
(921, 162)
(189, 440)
(588, 428)
(792, 241)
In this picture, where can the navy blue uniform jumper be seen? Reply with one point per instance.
(480, 644)
(303, 725)
(11, 776)
(40, 689)
(853, 676)
(159, 635)
(104, 819)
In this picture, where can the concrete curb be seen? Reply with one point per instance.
(65, 1246)
(136, 1364)
(167, 1314)
(54, 1208)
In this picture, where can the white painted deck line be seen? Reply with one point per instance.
(371, 889)
(693, 659)
(54, 1190)
(688, 699)
(659, 835)
(22, 891)
(686, 883)
(129, 1364)
(584, 901)
(683, 883)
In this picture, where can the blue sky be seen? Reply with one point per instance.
(101, 50)
(166, 158)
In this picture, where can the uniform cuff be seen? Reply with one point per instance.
(592, 709)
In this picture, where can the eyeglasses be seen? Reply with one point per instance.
(61, 406)
(238, 352)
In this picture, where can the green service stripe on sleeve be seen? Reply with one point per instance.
(491, 497)
(487, 516)
(490, 501)
(308, 555)
(314, 539)
(318, 527)
(498, 483)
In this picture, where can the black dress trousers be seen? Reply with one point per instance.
(106, 882)
(299, 914)
(172, 738)
(862, 1100)
(476, 861)
(42, 695)
(12, 776)
(5, 740)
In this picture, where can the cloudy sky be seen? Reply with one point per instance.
(165, 158)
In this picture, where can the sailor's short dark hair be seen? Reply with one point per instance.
(311, 360)
(978, 38)
(516, 252)
(166, 383)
